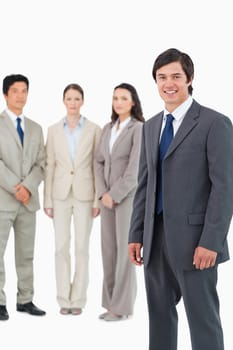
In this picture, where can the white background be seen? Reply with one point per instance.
(100, 44)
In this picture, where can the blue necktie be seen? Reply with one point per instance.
(20, 130)
(165, 141)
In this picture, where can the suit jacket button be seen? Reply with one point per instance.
(72, 173)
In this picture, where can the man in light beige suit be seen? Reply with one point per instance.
(70, 192)
(21, 171)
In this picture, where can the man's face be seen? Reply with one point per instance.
(172, 85)
(16, 97)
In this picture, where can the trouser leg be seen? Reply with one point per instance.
(202, 308)
(109, 249)
(6, 222)
(62, 223)
(125, 286)
(163, 294)
(24, 228)
(82, 225)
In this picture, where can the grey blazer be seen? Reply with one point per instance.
(20, 164)
(117, 173)
(197, 186)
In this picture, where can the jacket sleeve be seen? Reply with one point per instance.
(49, 170)
(99, 163)
(220, 204)
(8, 180)
(126, 183)
(36, 174)
(96, 143)
(139, 203)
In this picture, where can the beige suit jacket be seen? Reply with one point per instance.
(20, 164)
(116, 173)
(62, 174)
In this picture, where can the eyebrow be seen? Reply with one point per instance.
(164, 74)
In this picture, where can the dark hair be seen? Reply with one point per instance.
(174, 55)
(11, 79)
(73, 87)
(136, 111)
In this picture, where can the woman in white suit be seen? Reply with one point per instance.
(116, 166)
(70, 192)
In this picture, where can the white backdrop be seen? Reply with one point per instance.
(100, 44)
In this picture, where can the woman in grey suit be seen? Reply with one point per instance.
(116, 166)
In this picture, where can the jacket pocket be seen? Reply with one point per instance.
(196, 219)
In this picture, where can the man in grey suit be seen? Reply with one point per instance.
(182, 208)
(21, 171)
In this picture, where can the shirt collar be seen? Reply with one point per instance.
(122, 124)
(13, 116)
(80, 122)
(181, 110)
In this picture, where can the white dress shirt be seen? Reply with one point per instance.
(13, 117)
(73, 136)
(178, 114)
(116, 131)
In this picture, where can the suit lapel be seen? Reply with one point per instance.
(106, 142)
(12, 129)
(80, 149)
(154, 136)
(63, 144)
(27, 134)
(122, 135)
(189, 122)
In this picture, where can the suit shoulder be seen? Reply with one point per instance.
(92, 125)
(55, 125)
(33, 123)
(107, 126)
(153, 119)
(213, 115)
(138, 123)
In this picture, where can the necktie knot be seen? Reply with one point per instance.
(169, 119)
(166, 137)
(18, 121)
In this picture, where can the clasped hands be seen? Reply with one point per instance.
(22, 194)
(107, 201)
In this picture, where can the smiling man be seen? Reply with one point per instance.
(21, 171)
(182, 208)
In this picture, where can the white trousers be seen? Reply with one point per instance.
(71, 290)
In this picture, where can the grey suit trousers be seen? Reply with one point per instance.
(119, 282)
(165, 285)
(23, 223)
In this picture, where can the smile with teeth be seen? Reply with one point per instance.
(170, 92)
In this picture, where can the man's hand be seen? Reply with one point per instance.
(134, 251)
(204, 258)
(22, 194)
(107, 201)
